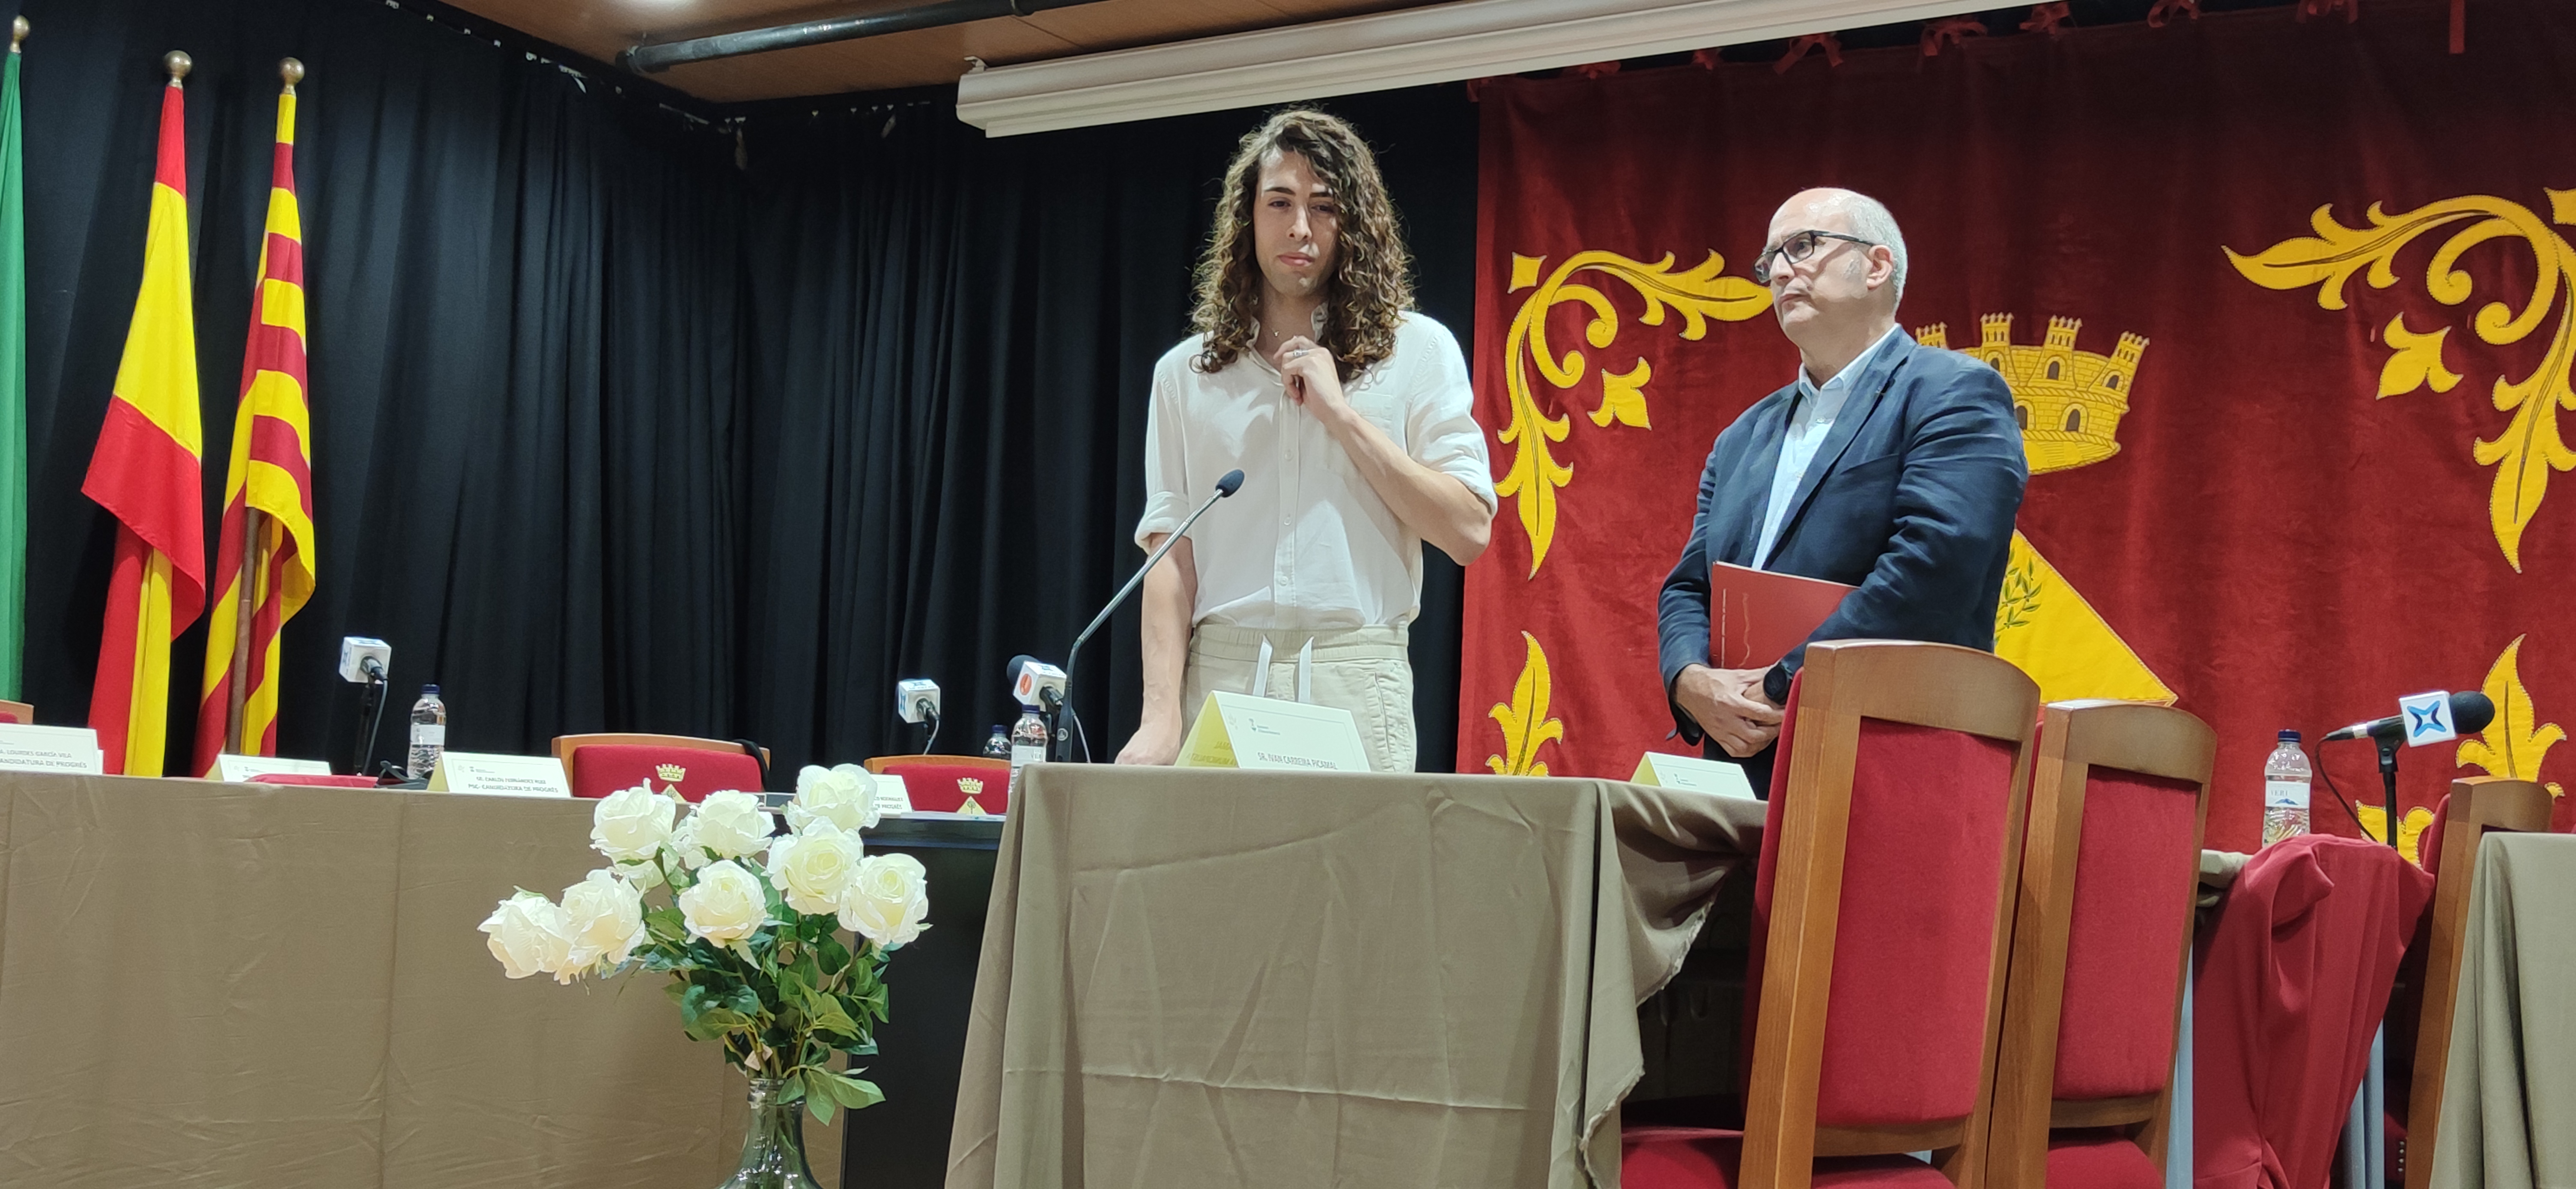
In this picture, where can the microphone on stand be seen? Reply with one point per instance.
(2438, 718)
(1231, 483)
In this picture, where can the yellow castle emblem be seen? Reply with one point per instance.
(973, 788)
(2069, 402)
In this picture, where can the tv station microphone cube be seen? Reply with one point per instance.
(916, 699)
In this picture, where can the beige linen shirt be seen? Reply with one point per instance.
(1306, 543)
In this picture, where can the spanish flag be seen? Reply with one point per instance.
(146, 472)
(268, 486)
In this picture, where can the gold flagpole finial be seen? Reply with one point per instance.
(177, 63)
(292, 71)
(17, 34)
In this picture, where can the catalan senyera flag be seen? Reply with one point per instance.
(271, 473)
(146, 472)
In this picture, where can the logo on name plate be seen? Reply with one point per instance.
(973, 787)
(671, 773)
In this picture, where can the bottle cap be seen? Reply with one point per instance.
(429, 691)
(2288, 736)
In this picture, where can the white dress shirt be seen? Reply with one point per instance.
(1811, 417)
(1306, 543)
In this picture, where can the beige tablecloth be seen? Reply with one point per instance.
(2509, 1092)
(237, 985)
(1206, 979)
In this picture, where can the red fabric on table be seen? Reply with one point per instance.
(2100, 1160)
(2135, 870)
(941, 788)
(604, 768)
(1914, 941)
(2428, 845)
(2293, 982)
(316, 780)
(1692, 1158)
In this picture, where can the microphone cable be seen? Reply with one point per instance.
(2317, 761)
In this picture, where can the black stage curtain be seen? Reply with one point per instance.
(623, 421)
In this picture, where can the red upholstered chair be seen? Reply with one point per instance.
(2294, 979)
(597, 765)
(1880, 930)
(17, 712)
(2110, 865)
(941, 784)
(2450, 849)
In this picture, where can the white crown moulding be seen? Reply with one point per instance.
(1436, 44)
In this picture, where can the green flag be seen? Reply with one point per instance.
(13, 384)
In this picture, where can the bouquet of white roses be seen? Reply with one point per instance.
(748, 927)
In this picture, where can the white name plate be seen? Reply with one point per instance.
(1693, 773)
(1242, 731)
(234, 769)
(893, 799)
(508, 776)
(70, 750)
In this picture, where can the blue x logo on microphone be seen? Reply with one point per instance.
(2424, 720)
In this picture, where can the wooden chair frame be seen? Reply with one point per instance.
(2478, 804)
(565, 745)
(1933, 685)
(881, 765)
(2076, 738)
(17, 712)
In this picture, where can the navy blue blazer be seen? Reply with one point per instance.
(1910, 499)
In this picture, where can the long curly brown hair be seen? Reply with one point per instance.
(1371, 283)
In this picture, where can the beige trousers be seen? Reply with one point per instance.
(1363, 670)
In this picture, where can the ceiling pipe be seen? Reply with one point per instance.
(654, 59)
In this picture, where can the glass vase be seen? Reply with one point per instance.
(773, 1150)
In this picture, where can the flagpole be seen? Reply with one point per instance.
(250, 580)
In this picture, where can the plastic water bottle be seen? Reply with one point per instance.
(2285, 791)
(428, 732)
(1028, 743)
(999, 746)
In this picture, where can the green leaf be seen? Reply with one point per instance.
(820, 1095)
(715, 1022)
(666, 924)
(835, 956)
(851, 1092)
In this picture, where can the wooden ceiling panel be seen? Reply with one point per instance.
(603, 29)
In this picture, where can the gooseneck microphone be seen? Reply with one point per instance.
(1231, 483)
(2470, 714)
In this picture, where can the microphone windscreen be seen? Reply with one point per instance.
(2470, 713)
(1227, 486)
(1022, 661)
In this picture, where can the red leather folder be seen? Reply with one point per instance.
(1755, 617)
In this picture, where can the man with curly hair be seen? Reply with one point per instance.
(1350, 416)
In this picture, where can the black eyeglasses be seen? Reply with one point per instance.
(1796, 249)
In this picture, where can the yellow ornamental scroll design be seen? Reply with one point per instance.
(2530, 446)
(1526, 726)
(2410, 829)
(2513, 744)
(1700, 294)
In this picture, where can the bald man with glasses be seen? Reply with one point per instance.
(1889, 467)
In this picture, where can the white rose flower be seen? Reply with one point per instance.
(526, 935)
(631, 825)
(603, 923)
(812, 869)
(684, 841)
(732, 824)
(844, 795)
(889, 903)
(726, 904)
(644, 876)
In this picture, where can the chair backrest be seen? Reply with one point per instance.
(944, 784)
(1881, 909)
(17, 712)
(2102, 926)
(2475, 806)
(597, 765)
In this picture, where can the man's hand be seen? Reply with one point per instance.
(1729, 706)
(1157, 741)
(1313, 379)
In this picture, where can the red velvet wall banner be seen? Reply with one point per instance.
(2286, 306)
